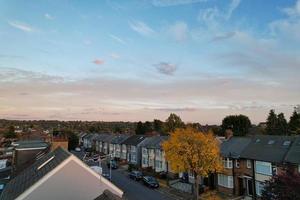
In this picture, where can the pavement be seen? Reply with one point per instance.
(134, 190)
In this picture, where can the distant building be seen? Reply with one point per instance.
(59, 175)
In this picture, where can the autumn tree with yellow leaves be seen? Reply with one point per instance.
(189, 150)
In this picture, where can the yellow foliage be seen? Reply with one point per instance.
(193, 151)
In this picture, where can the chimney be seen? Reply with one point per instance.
(228, 133)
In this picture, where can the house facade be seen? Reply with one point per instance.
(131, 149)
(116, 145)
(250, 161)
(153, 155)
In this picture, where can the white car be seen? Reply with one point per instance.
(77, 149)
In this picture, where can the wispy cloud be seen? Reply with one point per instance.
(98, 62)
(166, 68)
(48, 16)
(233, 5)
(141, 28)
(115, 56)
(224, 36)
(165, 3)
(179, 31)
(21, 26)
(116, 38)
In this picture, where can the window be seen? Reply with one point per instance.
(259, 187)
(249, 164)
(299, 168)
(225, 181)
(263, 168)
(145, 161)
(274, 170)
(133, 149)
(237, 163)
(158, 164)
(158, 153)
(133, 158)
(145, 151)
(227, 163)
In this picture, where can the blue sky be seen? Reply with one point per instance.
(139, 60)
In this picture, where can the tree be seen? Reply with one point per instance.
(239, 124)
(294, 123)
(282, 186)
(282, 124)
(173, 122)
(73, 140)
(158, 125)
(10, 133)
(276, 124)
(192, 151)
(272, 119)
(140, 129)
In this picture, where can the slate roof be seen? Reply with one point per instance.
(234, 146)
(154, 142)
(108, 195)
(108, 138)
(118, 139)
(101, 137)
(293, 155)
(32, 174)
(269, 148)
(134, 140)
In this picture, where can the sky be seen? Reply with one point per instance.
(138, 60)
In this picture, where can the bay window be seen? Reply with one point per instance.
(225, 181)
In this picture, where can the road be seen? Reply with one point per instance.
(133, 190)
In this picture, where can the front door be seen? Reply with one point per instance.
(241, 186)
(249, 187)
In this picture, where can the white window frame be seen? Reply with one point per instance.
(227, 163)
(265, 164)
(225, 181)
(299, 168)
(237, 163)
(249, 164)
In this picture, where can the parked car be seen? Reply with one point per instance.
(136, 175)
(150, 182)
(113, 163)
(77, 149)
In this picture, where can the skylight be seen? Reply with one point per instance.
(257, 140)
(286, 143)
(45, 163)
(271, 142)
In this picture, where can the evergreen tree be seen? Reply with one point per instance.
(272, 123)
(158, 125)
(140, 129)
(282, 124)
(294, 123)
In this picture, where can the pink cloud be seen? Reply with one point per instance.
(98, 62)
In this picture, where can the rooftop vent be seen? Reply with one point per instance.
(45, 163)
(286, 143)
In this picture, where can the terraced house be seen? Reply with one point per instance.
(131, 149)
(250, 161)
(116, 145)
(153, 155)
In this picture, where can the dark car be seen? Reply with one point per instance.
(150, 182)
(113, 163)
(136, 175)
